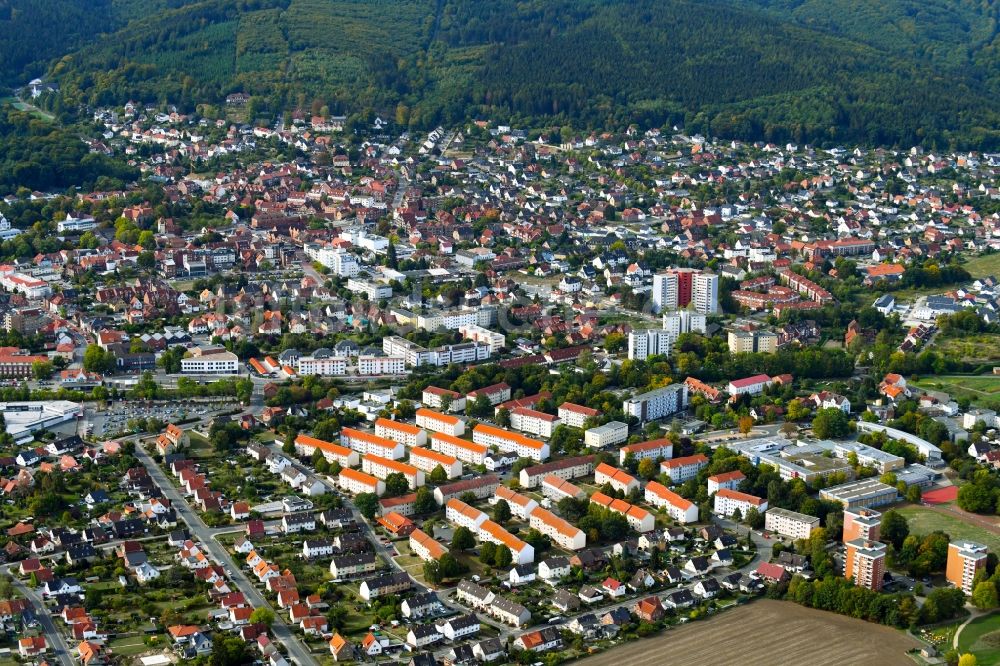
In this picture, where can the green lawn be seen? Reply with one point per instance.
(982, 390)
(982, 638)
(984, 265)
(924, 521)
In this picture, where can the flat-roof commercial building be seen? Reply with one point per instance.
(860, 494)
(25, 418)
(790, 523)
(210, 361)
(965, 558)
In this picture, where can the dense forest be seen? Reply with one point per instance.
(900, 72)
(40, 155)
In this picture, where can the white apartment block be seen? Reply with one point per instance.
(381, 365)
(658, 403)
(462, 449)
(664, 292)
(684, 321)
(428, 460)
(460, 514)
(373, 290)
(454, 320)
(576, 415)
(644, 343)
(790, 523)
(609, 434)
(381, 468)
(339, 261)
(537, 423)
(652, 449)
(354, 482)
(678, 508)
(368, 444)
(434, 398)
(496, 341)
(510, 442)
(326, 367)
(404, 433)
(705, 293)
(561, 531)
(681, 469)
(727, 480)
(438, 422)
(728, 501)
(520, 505)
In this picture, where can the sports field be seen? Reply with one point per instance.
(768, 632)
(924, 520)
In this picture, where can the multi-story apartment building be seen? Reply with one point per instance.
(425, 546)
(862, 524)
(864, 561)
(742, 341)
(790, 523)
(681, 469)
(366, 443)
(529, 420)
(203, 361)
(523, 553)
(355, 482)
(381, 365)
(438, 422)
(749, 385)
(658, 403)
(462, 449)
(520, 505)
(332, 366)
(496, 393)
(616, 478)
(460, 514)
(510, 442)
(678, 508)
(728, 501)
(496, 341)
(562, 532)
(652, 449)
(557, 489)
(965, 558)
(404, 433)
(679, 287)
(381, 468)
(373, 290)
(479, 487)
(306, 446)
(576, 415)
(609, 434)
(729, 480)
(567, 468)
(436, 398)
(429, 460)
(644, 343)
(638, 518)
(684, 321)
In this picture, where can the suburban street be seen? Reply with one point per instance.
(57, 643)
(201, 532)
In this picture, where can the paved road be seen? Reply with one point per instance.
(296, 650)
(56, 641)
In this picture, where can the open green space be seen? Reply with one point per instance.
(923, 520)
(981, 347)
(987, 264)
(981, 637)
(982, 390)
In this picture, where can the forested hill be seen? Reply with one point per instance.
(828, 71)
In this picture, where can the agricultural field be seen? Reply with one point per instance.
(923, 520)
(982, 390)
(981, 637)
(768, 632)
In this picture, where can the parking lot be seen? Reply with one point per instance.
(114, 420)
